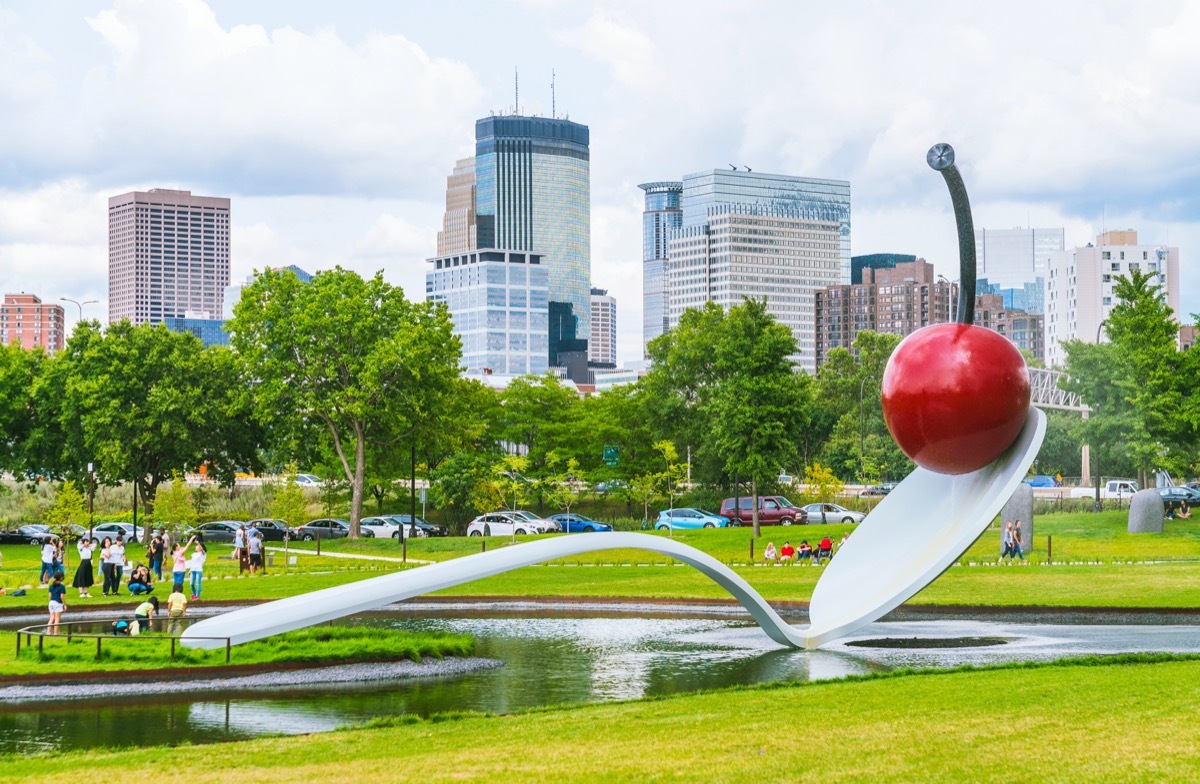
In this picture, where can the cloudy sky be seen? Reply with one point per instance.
(333, 126)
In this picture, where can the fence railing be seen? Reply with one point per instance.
(68, 631)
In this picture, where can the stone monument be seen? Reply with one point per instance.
(1146, 512)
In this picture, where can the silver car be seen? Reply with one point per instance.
(832, 513)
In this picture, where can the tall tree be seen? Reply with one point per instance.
(141, 402)
(18, 369)
(348, 358)
(759, 400)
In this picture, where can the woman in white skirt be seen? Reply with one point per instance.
(85, 577)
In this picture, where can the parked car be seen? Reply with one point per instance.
(28, 534)
(380, 527)
(219, 531)
(101, 530)
(503, 524)
(832, 513)
(422, 527)
(327, 528)
(578, 524)
(308, 480)
(772, 510)
(611, 486)
(882, 489)
(272, 530)
(688, 518)
(550, 525)
(1173, 497)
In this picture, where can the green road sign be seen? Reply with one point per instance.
(612, 455)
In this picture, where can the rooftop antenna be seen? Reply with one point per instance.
(516, 91)
(553, 107)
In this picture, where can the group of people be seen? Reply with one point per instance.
(1011, 541)
(790, 554)
(177, 604)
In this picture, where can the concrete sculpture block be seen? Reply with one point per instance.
(1146, 512)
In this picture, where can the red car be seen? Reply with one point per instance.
(772, 510)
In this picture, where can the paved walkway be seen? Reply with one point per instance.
(356, 556)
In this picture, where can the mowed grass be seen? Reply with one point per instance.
(1096, 564)
(151, 651)
(1056, 723)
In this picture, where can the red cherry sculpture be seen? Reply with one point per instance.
(955, 396)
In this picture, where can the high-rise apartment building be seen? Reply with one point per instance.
(28, 322)
(524, 199)
(747, 235)
(662, 216)
(602, 350)
(1079, 286)
(900, 298)
(168, 253)
(1011, 258)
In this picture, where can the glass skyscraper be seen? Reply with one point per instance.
(1011, 258)
(661, 217)
(533, 193)
(522, 206)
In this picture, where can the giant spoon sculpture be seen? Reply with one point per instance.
(955, 398)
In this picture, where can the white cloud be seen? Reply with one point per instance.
(626, 49)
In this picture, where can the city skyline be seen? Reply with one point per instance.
(324, 173)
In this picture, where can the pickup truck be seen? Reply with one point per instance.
(1115, 488)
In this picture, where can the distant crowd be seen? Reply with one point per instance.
(806, 552)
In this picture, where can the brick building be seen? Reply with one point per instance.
(28, 322)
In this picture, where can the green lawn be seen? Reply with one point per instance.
(1058, 723)
(151, 650)
(1096, 563)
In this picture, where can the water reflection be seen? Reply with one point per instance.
(550, 661)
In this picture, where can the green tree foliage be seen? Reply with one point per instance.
(1137, 384)
(18, 369)
(70, 508)
(463, 485)
(174, 507)
(346, 360)
(823, 486)
(288, 502)
(141, 402)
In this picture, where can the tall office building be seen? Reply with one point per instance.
(602, 350)
(661, 217)
(1010, 258)
(524, 199)
(168, 253)
(27, 322)
(749, 235)
(1079, 286)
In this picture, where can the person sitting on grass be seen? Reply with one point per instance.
(145, 612)
(769, 555)
(1184, 513)
(140, 581)
(805, 551)
(787, 553)
(176, 609)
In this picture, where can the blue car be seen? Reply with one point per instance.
(578, 524)
(1042, 481)
(688, 518)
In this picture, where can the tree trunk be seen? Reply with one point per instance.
(754, 503)
(357, 487)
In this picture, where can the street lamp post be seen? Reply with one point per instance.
(79, 304)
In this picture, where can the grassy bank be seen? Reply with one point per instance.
(1074, 723)
(151, 652)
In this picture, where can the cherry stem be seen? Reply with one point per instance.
(941, 158)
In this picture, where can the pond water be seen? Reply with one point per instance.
(554, 660)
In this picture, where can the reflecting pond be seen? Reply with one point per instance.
(554, 660)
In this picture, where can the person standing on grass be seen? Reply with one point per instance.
(105, 564)
(199, 556)
(255, 545)
(179, 565)
(154, 554)
(239, 547)
(1006, 543)
(85, 578)
(118, 563)
(49, 554)
(176, 609)
(58, 603)
(1016, 545)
